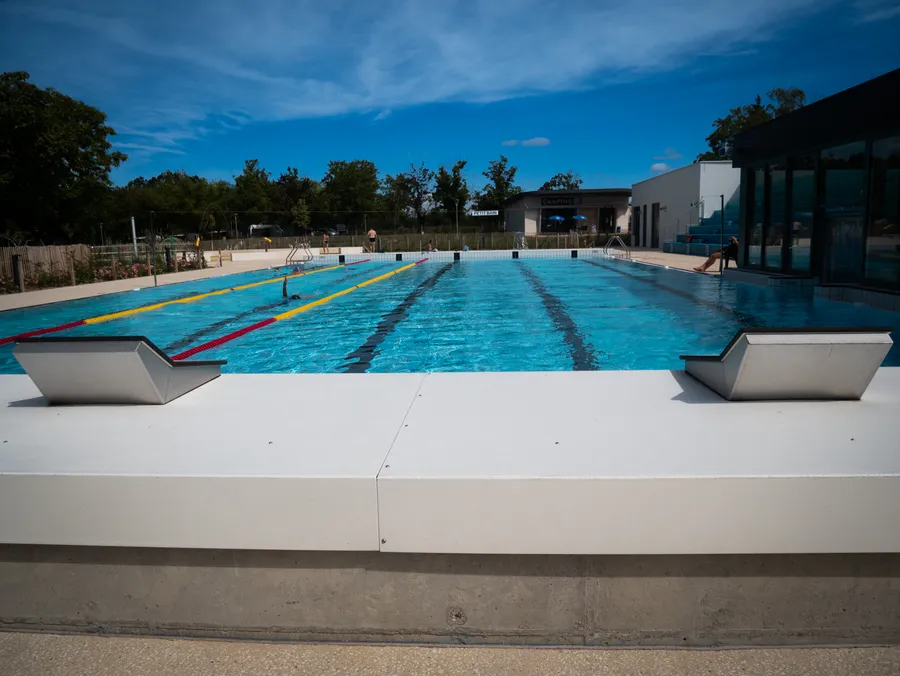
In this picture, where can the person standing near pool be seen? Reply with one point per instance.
(325, 242)
(730, 251)
(373, 236)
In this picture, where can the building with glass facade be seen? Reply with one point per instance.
(544, 212)
(820, 189)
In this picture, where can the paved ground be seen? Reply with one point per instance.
(13, 301)
(52, 655)
(678, 261)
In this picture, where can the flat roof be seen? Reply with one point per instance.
(868, 110)
(570, 193)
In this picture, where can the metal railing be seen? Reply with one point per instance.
(607, 249)
(300, 253)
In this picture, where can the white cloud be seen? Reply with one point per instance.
(877, 10)
(512, 142)
(660, 168)
(384, 114)
(669, 154)
(536, 141)
(175, 71)
(149, 148)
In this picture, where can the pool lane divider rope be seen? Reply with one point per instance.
(157, 306)
(290, 313)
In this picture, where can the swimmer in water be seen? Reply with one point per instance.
(295, 296)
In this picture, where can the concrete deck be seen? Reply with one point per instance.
(15, 301)
(670, 260)
(294, 462)
(54, 655)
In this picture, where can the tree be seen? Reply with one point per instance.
(421, 184)
(500, 186)
(251, 188)
(396, 195)
(55, 159)
(566, 181)
(300, 216)
(451, 191)
(351, 187)
(721, 140)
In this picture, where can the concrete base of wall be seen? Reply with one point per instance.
(350, 596)
(760, 278)
(847, 294)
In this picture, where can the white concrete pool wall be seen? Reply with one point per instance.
(456, 463)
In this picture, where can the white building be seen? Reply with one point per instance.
(555, 211)
(665, 207)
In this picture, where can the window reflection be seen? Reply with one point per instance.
(754, 245)
(883, 244)
(844, 208)
(803, 196)
(775, 233)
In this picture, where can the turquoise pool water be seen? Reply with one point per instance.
(497, 315)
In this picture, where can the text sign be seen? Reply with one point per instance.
(489, 212)
(560, 201)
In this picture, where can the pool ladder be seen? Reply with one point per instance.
(613, 240)
(300, 253)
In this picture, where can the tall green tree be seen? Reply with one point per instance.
(351, 189)
(563, 181)
(251, 188)
(780, 102)
(501, 184)
(451, 190)
(396, 197)
(421, 184)
(55, 159)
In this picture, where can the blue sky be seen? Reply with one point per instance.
(611, 90)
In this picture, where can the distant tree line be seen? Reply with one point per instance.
(56, 156)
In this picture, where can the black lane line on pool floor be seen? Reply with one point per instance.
(366, 352)
(583, 354)
(201, 333)
(744, 320)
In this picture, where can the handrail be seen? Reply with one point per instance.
(612, 240)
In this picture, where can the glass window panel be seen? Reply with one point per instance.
(754, 246)
(775, 233)
(803, 203)
(844, 210)
(883, 244)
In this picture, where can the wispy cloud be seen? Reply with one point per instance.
(877, 10)
(384, 114)
(669, 154)
(512, 142)
(177, 71)
(149, 148)
(660, 168)
(536, 141)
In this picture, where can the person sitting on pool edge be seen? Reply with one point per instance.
(730, 251)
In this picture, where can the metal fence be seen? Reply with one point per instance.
(418, 242)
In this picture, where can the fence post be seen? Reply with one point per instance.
(72, 270)
(114, 276)
(175, 260)
(20, 272)
(220, 258)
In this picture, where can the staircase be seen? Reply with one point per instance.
(705, 237)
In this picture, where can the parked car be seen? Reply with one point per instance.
(331, 232)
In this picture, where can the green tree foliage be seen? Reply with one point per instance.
(300, 216)
(251, 188)
(55, 159)
(451, 188)
(421, 184)
(563, 181)
(396, 197)
(501, 184)
(351, 189)
(780, 102)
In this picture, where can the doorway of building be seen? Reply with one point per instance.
(654, 226)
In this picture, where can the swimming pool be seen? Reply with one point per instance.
(482, 315)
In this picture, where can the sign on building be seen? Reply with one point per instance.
(560, 201)
(489, 212)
